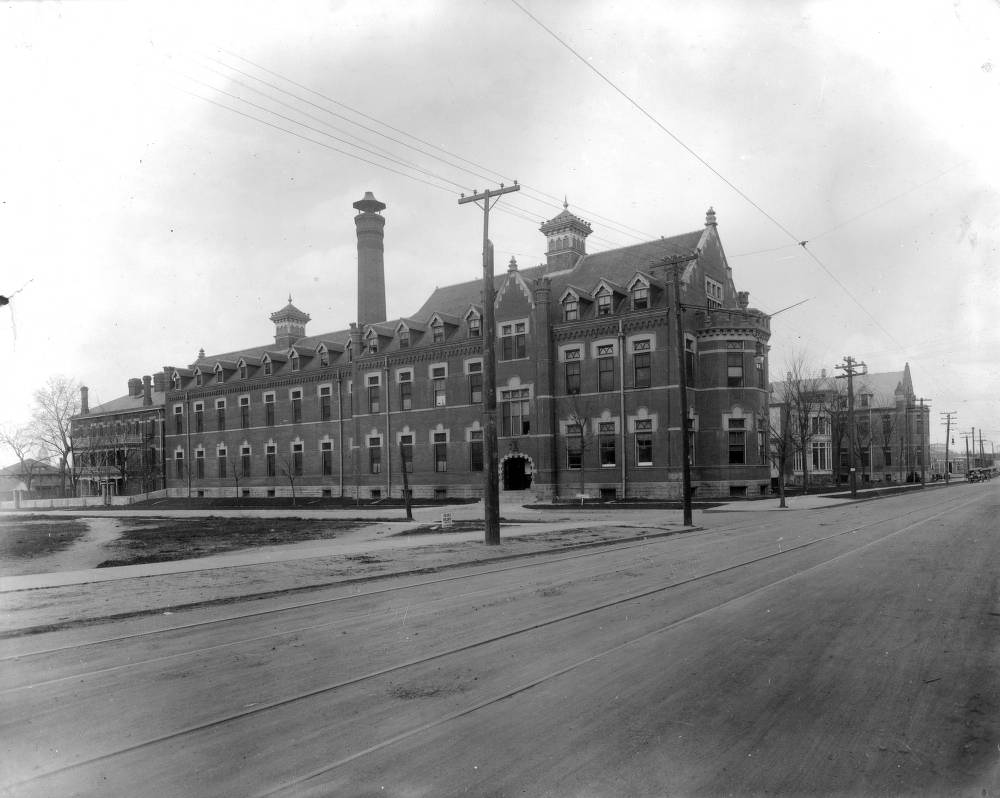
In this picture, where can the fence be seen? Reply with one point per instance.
(82, 502)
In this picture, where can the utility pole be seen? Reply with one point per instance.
(947, 443)
(965, 437)
(982, 454)
(682, 379)
(491, 488)
(924, 442)
(852, 368)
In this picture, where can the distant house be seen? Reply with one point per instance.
(32, 479)
(891, 429)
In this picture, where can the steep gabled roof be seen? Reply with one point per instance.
(616, 266)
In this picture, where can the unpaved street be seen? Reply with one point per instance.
(848, 651)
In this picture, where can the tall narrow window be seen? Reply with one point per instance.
(512, 341)
(734, 369)
(199, 463)
(475, 327)
(178, 420)
(324, 356)
(643, 442)
(294, 360)
(476, 450)
(373, 345)
(475, 383)
(325, 410)
(437, 332)
(605, 367)
(270, 454)
(404, 338)
(198, 378)
(199, 417)
(737, 441)
(296, 397)
(245, 461)
(438, 378)
(178, 464)
(268, 367)
(220, 414)
(269, 409)
(326, 450)
(440, 451)
(244, 412)
(243, 370)
(374, 399)
(221, 456)
(514, 412)
(689, 361)
(574, 446)
(641, 367)
(572, 371)
(220, 375)
(405, 390)
(297, 459)
(607, 443)
(375, 455)
(406, 452)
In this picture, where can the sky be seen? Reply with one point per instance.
(171, 172)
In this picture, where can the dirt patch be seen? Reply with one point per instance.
(153, 540)
(22, 539)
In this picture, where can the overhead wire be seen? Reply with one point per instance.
(799, 241)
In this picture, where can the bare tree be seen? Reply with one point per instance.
(578, 439)
(55, 404)
(291, 472)
(802, 393)
(21, 441)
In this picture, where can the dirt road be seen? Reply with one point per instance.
(849, 652)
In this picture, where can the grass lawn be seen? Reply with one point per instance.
(162, 540)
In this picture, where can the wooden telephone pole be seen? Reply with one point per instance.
(491, 488)
(851, 367)
(925, 433)
(947, 443)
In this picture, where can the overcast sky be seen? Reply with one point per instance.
(142, 218)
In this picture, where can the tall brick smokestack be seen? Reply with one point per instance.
(371, 267)
(84, 400)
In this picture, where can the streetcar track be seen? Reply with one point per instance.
(329, 688)
(592, 658)
(601, 548)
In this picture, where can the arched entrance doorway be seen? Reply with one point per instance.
(516, 472)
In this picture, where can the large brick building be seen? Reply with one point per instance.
(587, 384)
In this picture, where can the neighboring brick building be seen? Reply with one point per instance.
(587, 382)
(118, 446)
(892, 432)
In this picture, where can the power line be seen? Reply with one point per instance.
(707, 165)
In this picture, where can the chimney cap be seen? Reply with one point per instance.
(368, 204)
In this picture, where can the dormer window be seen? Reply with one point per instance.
(373, 345)
(220, 375)
(176, 381)
(294, 360)
(404, 338)
(571, 308)
(640, 296)
(243, 369)
(197, 377)
(268, 366)
(324, 356)
(437, 332)
(475, 327)
(604, 304)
